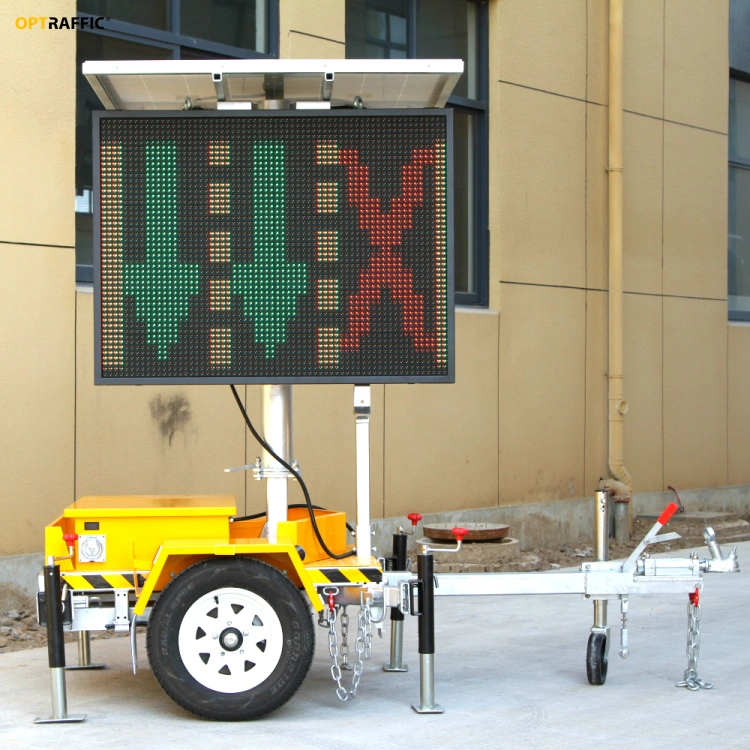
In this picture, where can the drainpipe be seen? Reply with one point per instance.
(622, 486)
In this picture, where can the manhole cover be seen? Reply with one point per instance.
(478, 532)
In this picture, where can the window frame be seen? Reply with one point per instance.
(479, 110)
(176, 42)
(736, 162)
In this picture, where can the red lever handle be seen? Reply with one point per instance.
(70, 538)
(459, 532)
(668, 512)
(415, 518)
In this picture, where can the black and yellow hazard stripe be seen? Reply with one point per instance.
(344, 575)
(101, 581)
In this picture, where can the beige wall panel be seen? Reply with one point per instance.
(305, 47)
(542, 394)
(324, 444)
(695, 212)
(36, 391)
(643, 56)
(597, 57)
(38, 93)
(542, 45)
(152, 439)
(642, 204)
(597, 220)
(597, 403)
(441, 440)
(324, 21)
(696, 58)
(542, 195)
(695, 393)
(642, 386)
(739, 404)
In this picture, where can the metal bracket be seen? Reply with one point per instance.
(218, 82)
(671, 536)
(261, 472)
(122, 619)
(133, 646)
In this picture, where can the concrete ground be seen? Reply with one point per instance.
(510, 673)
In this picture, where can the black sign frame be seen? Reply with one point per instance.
(447, 376)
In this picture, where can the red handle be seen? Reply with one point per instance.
(415, 518)
(669, 511)
(70, 538)
(459, 532)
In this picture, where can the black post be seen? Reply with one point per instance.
(426, 574)
(426, 585)
(56, 647)
(53, 607)
(397, 562)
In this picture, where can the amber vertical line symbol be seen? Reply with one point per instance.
(441, 260)
(111, 255)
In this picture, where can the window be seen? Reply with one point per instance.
(443, 29)
(157, 30)
(739, 200)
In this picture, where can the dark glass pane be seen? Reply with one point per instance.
(464, 201)
(374, 51)
(448, 29)
(739, 119)
(239, 23)
(376, 28)
(739, 239)
(398, 30)
(95, 47)
(151, 13)
(377, 25)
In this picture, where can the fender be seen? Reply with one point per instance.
(174, 556)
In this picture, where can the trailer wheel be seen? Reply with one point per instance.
(596, 659)
(230, 640)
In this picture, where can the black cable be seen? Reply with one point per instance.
(262, 513)
(294, 473)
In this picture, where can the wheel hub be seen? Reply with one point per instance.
(230, 639)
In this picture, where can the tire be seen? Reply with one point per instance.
(230, 640)
(596, 659)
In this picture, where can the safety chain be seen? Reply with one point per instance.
(362, 644)
(691, 681)
(344, 648)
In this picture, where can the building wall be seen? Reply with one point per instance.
(526, 420)
(549, 274)
(37, 282)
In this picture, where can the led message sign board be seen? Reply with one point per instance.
(273, 247)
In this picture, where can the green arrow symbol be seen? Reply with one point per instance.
(270, 284)
(162, 286)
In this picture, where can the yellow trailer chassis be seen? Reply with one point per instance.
(228, 608)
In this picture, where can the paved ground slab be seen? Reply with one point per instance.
(510, 673)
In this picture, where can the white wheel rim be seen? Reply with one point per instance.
(230, 640)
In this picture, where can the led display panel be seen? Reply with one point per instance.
(273, 247)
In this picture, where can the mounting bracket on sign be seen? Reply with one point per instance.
(362, 408)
